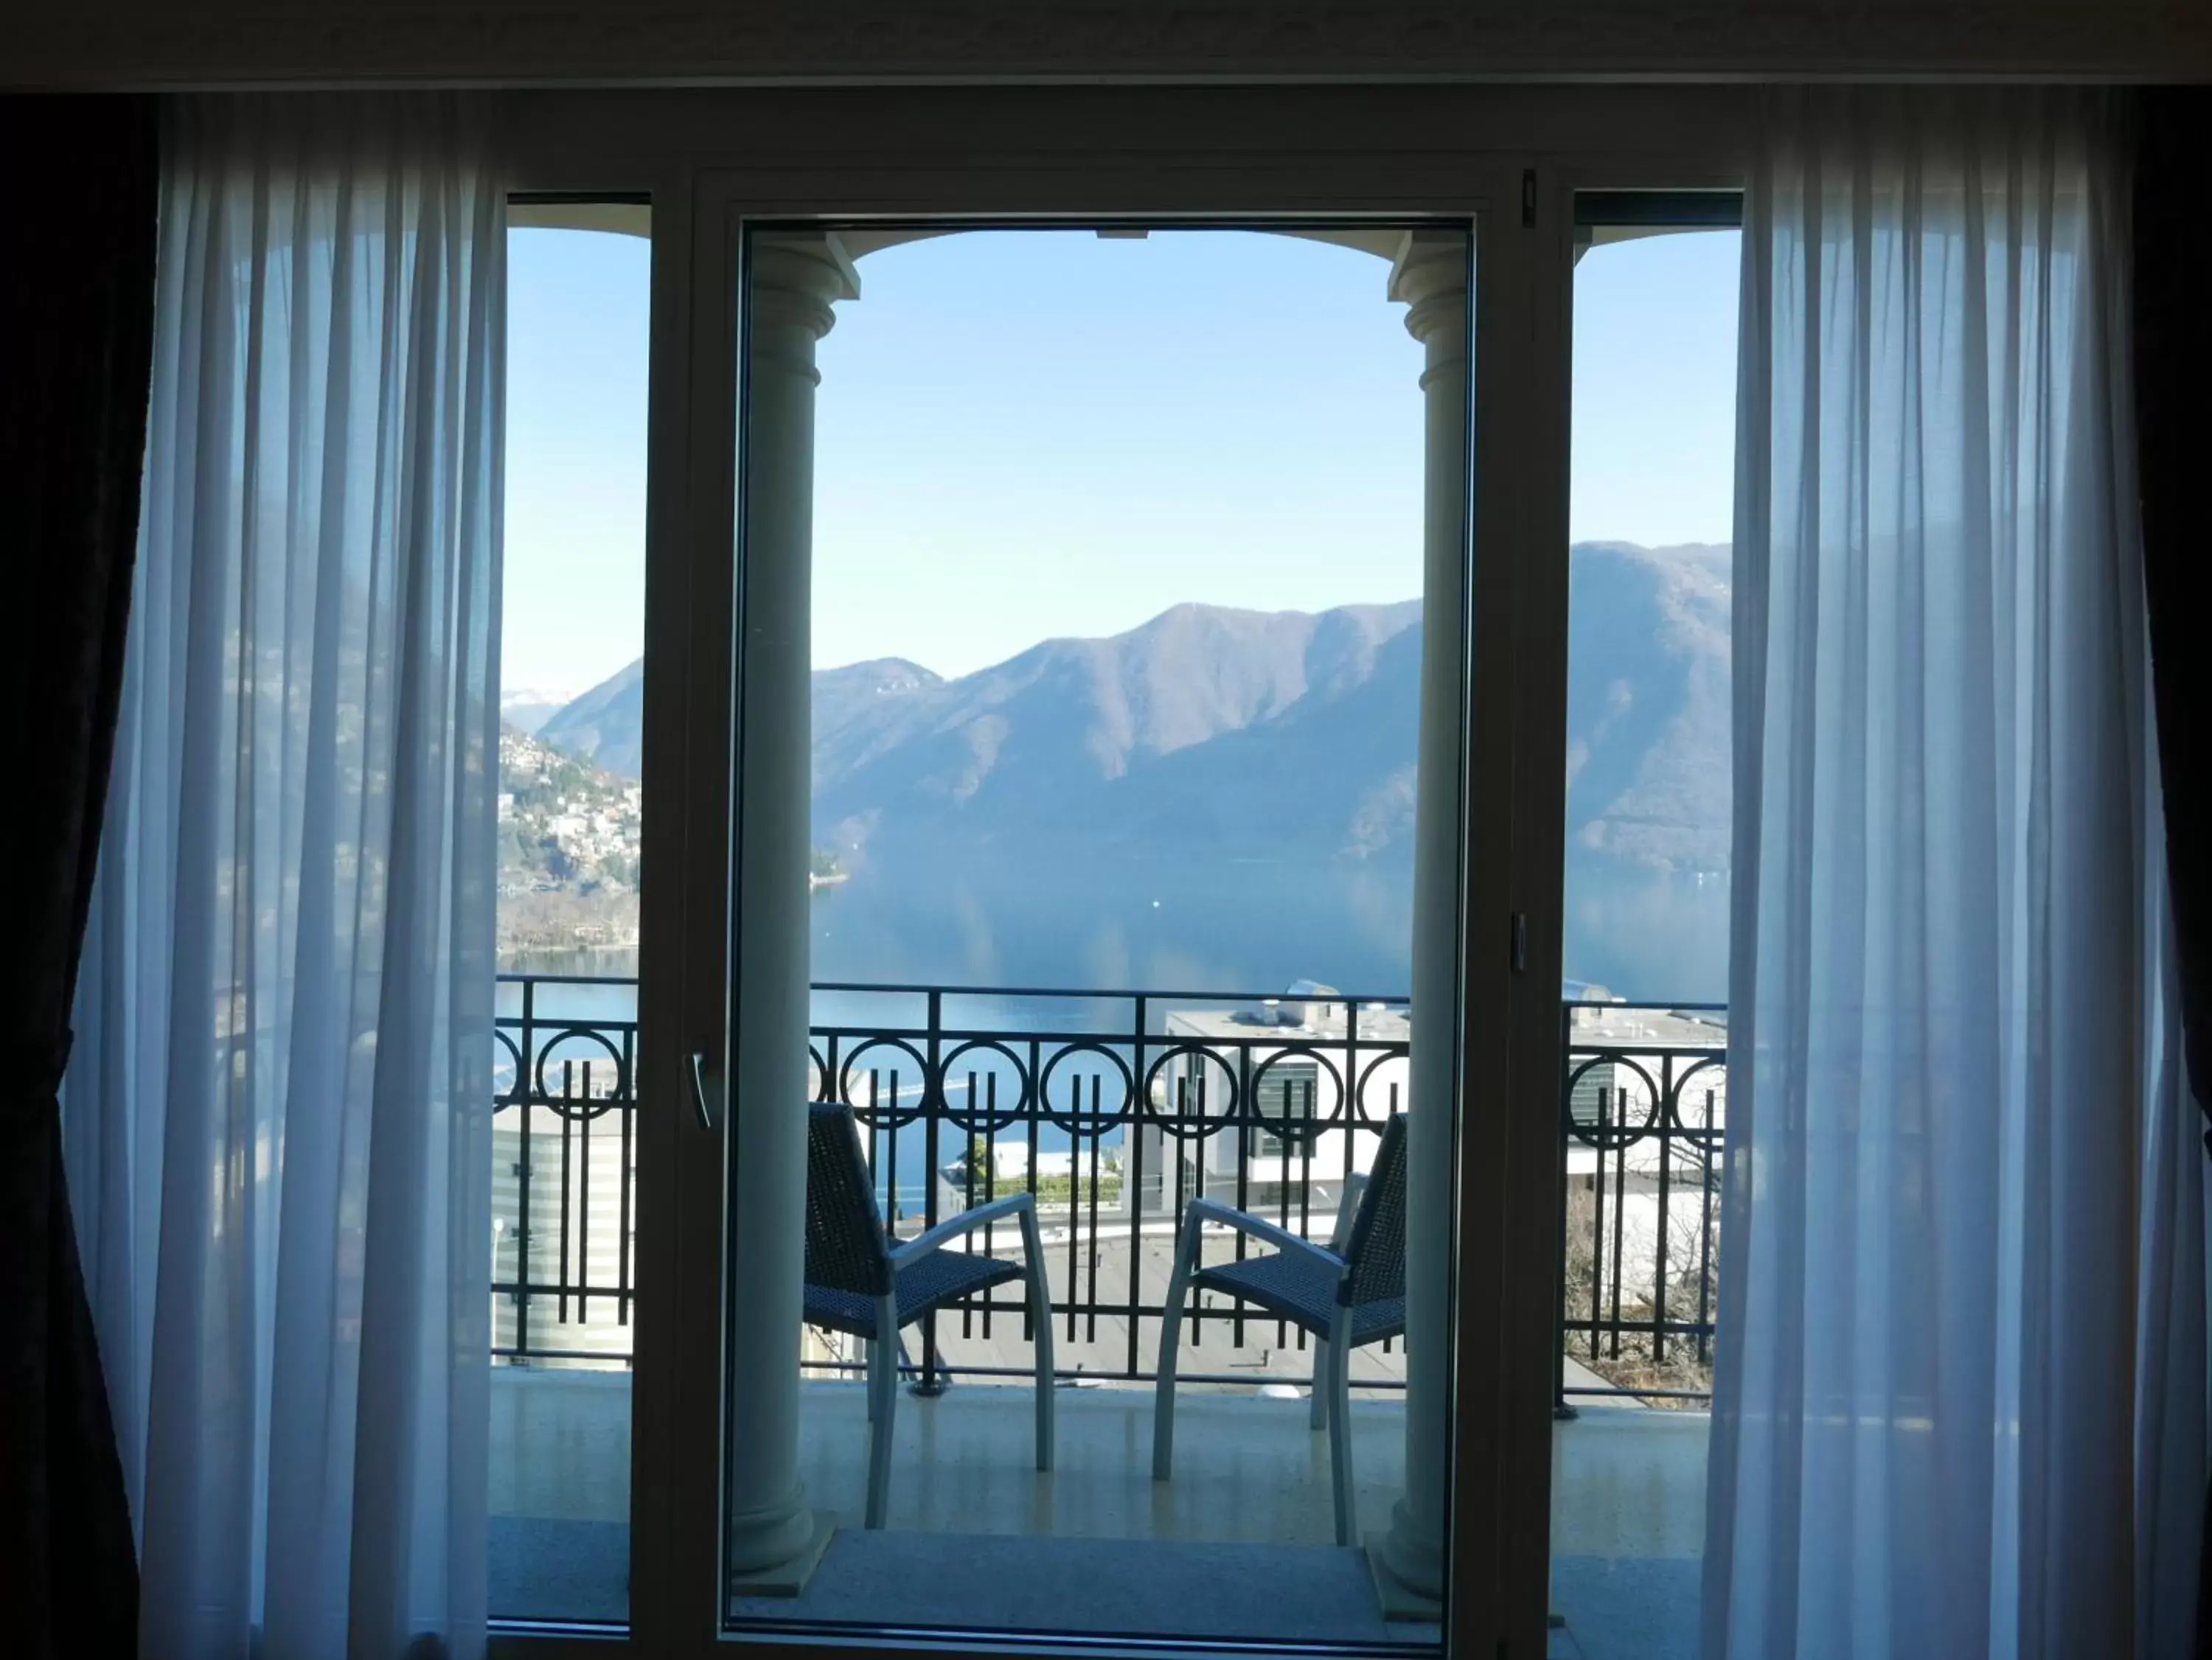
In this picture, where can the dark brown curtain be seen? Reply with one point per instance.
(2173, 413)
(77, 332)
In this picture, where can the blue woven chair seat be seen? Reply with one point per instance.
(921, 1285)
(1302, 1291)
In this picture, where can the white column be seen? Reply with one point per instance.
(773, 1536)
(1431, 276)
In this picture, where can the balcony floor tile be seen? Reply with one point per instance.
(1628, 1530)
(977, 1536)
(1092, 1587)
(1248, 1469)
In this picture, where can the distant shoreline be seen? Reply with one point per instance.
(564, 950)
(567, 946)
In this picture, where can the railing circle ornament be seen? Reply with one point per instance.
(581, 1107)
(1708, 1137)
(518, 1090)
(1284, 1125)
(1096, 1118)
(1608, 1126)
(995, 1114)
(1371, 1115)
(1200, 1111)
(874, 1111)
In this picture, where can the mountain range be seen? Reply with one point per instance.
(1213, 732)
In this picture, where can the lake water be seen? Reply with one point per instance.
(1238, 928)
(1249, 929)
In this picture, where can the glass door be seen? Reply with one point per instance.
(572, 826)
(1642, 1095)
(1095, 1056)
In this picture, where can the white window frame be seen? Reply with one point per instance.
(1505, 159)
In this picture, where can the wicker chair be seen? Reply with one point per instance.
(1350, 1293)
(859, 1283)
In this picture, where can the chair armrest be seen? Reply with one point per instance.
(998, 1211)
(1348, 1208)
(1200, 1211)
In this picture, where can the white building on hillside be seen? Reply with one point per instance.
(1291, 1061)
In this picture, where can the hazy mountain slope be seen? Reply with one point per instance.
(1648, 721)
(1214, 733)
(1331, 776)
(526, 710)
(603, 726)
(1030, 747)
(856, 690)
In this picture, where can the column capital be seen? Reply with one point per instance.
(1428, 276)
(797, 276)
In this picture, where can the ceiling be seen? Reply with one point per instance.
(169, 43)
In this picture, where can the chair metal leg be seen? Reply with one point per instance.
(1340, 1425)
(1319, 1419)
(1041, 1321)
(883, 1390)
(870, 1359)
(1171, 1335)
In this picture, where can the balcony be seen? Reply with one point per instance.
(1113, 1111)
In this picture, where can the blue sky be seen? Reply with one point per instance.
(1022, 434)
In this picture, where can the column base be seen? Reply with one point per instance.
(789, 1577)
(1399, 1601)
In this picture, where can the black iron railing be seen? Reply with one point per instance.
(1116, 1107)
(1643, 1103)
(1113, 1109)
(564, 1166)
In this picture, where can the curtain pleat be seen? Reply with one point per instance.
(1960, 1362)
(76, 321)
(285, 1017)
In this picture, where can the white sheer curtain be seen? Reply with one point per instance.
(278, 1115)
(1960, 1156)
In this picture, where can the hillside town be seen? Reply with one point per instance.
(569, 851)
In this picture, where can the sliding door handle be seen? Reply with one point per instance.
(699, 1091)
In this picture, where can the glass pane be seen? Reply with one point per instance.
(1097, 562)
(571, 809)
(1647, 916)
